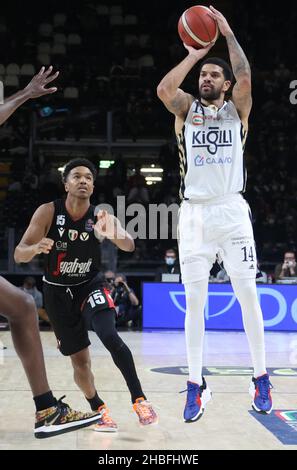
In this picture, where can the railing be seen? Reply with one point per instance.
(108, 141)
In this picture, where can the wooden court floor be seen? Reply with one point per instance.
(226, 424)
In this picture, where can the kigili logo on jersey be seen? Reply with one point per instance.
(198, 120)
(72, 234)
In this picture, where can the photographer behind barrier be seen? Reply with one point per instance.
(126, 302)
(288, 268)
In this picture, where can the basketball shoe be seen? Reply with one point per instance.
(105, 423)
(60, 419)
(145, 412)
(197, 397)
(260, 391)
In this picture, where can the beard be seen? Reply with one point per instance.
(210, 95)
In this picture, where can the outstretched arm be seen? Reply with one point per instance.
(176, 100)
(241, 95)
(34, 89)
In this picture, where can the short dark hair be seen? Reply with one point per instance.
(289, 251)
(171, 249)
(228, 74)
(79, 162)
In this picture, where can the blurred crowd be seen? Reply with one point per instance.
(111, 58)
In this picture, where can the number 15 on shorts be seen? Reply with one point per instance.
(100, 299)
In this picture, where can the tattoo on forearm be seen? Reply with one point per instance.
(239, 62)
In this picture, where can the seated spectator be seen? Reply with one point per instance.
(109, 254)
(288, 268)
(262, 277)
(109, 277)
(138, 192)
(29, 286)
(170, 266)
(126, 303)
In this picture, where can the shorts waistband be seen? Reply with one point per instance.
(64, 285)
(215, 200)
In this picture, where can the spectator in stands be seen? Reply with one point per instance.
(109, 277)
(138, 189)
(170, 265)
(288, 268)
(29, 286)
(262, 277)
(30, 179)
(126, 302)
(109, 254)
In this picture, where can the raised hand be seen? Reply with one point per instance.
(36, 87)
(106, 225)
(221, 20)
(199, 53)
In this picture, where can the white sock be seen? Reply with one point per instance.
(196, 294)
(246, 293)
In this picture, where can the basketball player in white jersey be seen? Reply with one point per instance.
(214, 217)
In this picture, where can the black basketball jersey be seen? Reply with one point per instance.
(75, 256)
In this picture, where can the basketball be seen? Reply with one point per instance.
(197, 28)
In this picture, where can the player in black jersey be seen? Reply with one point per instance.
(76, 298)
(52, 417)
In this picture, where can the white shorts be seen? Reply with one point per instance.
(220, 227)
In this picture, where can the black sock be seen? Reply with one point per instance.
(123, 359)
(95, 402)
(104, 327)
(44, 401)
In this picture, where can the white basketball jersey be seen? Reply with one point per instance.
(211, 146)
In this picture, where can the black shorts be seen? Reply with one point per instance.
(70, 310)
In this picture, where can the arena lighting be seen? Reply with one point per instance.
(153, 178)
(152, 170)
(106, 163)
(61, 168)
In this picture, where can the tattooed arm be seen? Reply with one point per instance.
(176, 100)
(241, 95)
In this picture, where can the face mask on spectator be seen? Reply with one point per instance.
(169, 260)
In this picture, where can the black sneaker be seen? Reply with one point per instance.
(60, 419)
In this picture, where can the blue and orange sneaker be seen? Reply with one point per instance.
(105, 423)
(260, 391)
(197, 397)
(145, 412)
